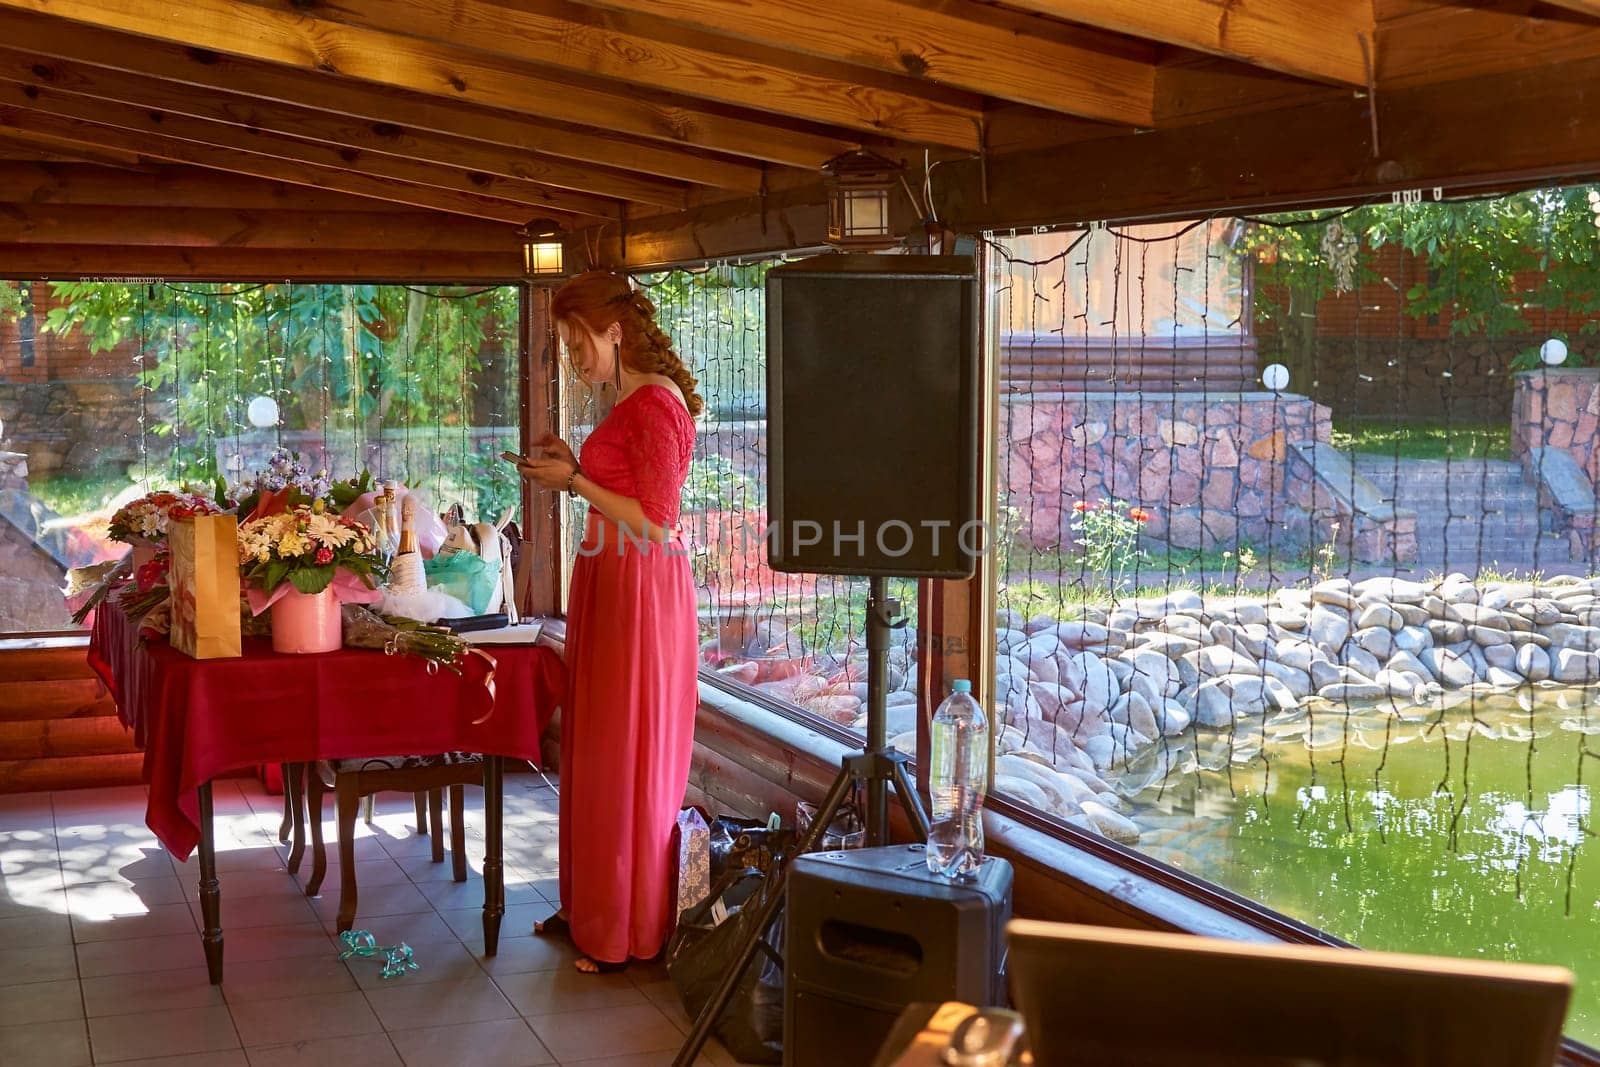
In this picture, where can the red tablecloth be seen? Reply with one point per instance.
(197, 719)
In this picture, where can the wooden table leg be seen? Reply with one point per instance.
(210, 890)
(494, 877)
(295, 785)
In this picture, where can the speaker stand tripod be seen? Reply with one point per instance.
(878, 765)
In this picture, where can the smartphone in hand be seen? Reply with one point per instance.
(512, 457)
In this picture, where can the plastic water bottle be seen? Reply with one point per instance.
(958, 778)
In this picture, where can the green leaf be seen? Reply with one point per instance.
(277, 569)
(311, 580)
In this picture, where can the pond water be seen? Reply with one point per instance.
(1464, 829)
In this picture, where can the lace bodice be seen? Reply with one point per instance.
(642, 450)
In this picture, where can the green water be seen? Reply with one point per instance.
(1467, 830)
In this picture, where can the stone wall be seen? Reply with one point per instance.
(1558, 408)
(72, 426)
(1212, 468)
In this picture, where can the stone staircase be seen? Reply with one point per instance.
(1472, 514)
(58, 726)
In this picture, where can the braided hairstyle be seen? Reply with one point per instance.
(598, 298)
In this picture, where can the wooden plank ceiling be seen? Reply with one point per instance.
(410, 138)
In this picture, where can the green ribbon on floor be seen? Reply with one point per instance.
(397, 959)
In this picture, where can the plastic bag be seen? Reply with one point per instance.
(691, 846)
(467, 577)
(737, 844)
(704, 947)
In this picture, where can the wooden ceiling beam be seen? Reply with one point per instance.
(472, 156)
(1317, 154)
(107, 262)
(21, 141)
(380, 105)
(1582, 7)
(149, 146)
(561, 36)
(1445, 43)
(533, 199)
(985, 57)
(1321, 40)
(166, 185)
(78, 224)
(221, 26)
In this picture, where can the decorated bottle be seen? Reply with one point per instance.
(957, 780)
(405, 572)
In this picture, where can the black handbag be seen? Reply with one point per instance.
(704, 947)
(748, 844)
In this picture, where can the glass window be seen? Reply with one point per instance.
(1330, 645)
(138, 386)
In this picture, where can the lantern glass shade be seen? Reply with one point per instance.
(858, 201)
(541, 256)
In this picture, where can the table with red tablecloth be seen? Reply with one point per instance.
(199, 719)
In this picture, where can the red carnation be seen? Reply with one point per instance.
(1082, 506)
(1139, 515)
(324, 556)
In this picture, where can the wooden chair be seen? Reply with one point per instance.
(294, 816)
(352, 780)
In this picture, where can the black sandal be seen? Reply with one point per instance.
(555, 926)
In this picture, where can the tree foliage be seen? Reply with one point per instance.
(1507, 266)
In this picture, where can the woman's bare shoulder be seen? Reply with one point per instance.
(670, 386)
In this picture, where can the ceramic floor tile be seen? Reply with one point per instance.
(138, 955)
(161, 1033)
(369, 1050)
(521, 953)
(244, 884)
(440, 1003)
(552, 992)
(37, 930)
(448, 896)
(467, 923)
(26, 811)
(273, 942)
(131, 994)
(20, 896)
(39, 1002)
(582, 1035)
(245, 981)
(258, 911)
(305, 1018)
(106, 900)
(415, 929)
(372, 900)
(442, 962)
(57, 1044)
(157, 921)
(496, 1043)
(421, 868)
(233, 1057)
(51, 963)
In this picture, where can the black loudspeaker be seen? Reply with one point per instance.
(873, 930)
(872, 416)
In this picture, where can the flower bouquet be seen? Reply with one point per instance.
(303, 562)
(143, 523)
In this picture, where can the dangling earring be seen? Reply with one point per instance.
(616, 364)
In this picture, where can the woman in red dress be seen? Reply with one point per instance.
(627, 727)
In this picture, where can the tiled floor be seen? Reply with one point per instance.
(100, 958)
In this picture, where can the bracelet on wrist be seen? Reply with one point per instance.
(572, 478)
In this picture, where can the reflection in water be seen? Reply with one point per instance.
(1463, 828)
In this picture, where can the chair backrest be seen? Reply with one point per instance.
(1094, 994)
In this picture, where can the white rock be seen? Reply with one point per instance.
(1110, 824)
(1079, 722)
(1400, 684)
(1376, 640)
(1413, 639)
(1413, 614)
(1100, 689)
(1050, 698)
(1448, 668)
(1575, 666)
(1407, 663)
(1009, 641)
(1297, 654)
(1502, 656)
(1152, 672)
(1170, 645)
(1446, 631)
(1174, 603)
(1298, 681)
(1458, 590)
(1476, 615)
(1346, 692)
(1582, 638)
(1183, 626)
(1381, 615)
(1218, 701)
(1334, 591)
(1533, 663)
(1329, 627)
(1287, 618)
(1135, 711)
(1122, 670)
(1216, 661)
(1502, 678)
(1081, 635)
(1171, 718)
(1392, 589)
(1038, 624)
(1022, 791)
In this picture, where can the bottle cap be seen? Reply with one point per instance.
(961, 685)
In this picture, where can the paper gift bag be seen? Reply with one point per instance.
(205, 586)
(693, 840)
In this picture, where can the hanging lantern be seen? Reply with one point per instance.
(541, 248)
(858, 201)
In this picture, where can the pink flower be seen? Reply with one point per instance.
(324, 556)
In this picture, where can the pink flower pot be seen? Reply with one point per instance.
(306, 623)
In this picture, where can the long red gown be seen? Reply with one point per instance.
(627, 729)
